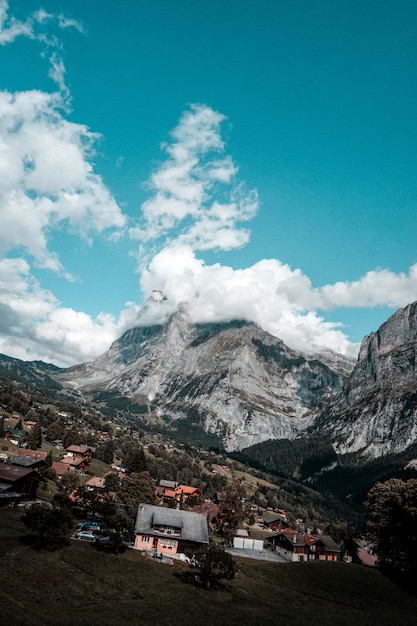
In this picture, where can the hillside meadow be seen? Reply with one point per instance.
(77, 585)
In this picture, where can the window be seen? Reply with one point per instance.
(167, 543)
(145, 539)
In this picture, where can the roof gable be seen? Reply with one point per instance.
(192, 526)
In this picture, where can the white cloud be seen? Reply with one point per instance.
(47, 178)
(380, 287)
(190, 200)
(10, 28)
(268, 293)
(33, 324)
(278, 298)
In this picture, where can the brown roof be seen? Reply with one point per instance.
(36, 454)
(60, 468)
(70, 460)
(95, 481)
(81, 449)
(10, 473)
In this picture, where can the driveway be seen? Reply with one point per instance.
(265, 555)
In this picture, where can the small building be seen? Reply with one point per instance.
(243, 541)
(61, 468)
(17, 483)
(171, 490)
(75, 464)
(15, 436)
(210, 510)
(275, 522)
(81, 451)
(169, 531)
(296, 546)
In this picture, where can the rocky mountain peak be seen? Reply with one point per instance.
(234, 381)
(376, 412)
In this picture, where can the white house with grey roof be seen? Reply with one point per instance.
(169, 531)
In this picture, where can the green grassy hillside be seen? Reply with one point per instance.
(78, 585)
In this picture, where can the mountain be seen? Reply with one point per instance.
(234, 385)
(375, 413)
(34, 373)
(231, 382)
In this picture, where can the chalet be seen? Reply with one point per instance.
(360, 552)
(35, 454)
(61, 468)
(210, 510)
(275, 522)
(17, 483)
(15, 436)
(75, 464)
(169, 531)
(81, 451)
(26, 460)
(171, 490)
(96, 483)
(296, 546)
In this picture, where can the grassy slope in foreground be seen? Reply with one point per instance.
(78, 585)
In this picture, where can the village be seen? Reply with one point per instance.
(156, 514)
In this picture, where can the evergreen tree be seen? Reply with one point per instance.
(134, 489)
(34, 439)
(135, 460)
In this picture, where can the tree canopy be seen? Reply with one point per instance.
(391, 510)
(213, 563)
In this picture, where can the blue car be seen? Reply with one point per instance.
(88, 526)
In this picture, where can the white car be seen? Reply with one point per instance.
(85, 535)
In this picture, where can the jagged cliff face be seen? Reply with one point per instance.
(233, 380)
(376, 412)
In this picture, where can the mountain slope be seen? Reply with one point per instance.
(376, 412)
(234, 381)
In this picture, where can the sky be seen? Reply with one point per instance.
(256, 160)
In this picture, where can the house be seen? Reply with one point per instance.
(169, 531)
(35, 454)
(96, 483)
(171, 490)
(17, 483)
(210, 510)
(360, 552)
(15, 436)
(28, 460)
(61, 468)
(296, 546)
(81, 451)
(275, 522)
(75, 464)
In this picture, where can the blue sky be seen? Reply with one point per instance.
(256, 159)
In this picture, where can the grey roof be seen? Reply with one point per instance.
(193, 526)
(24, 459)
(171, 484)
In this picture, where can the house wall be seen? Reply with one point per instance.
(160, 544)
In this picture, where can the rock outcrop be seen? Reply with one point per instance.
(376, 412)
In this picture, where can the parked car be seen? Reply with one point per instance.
(93, 526)
(85, 535)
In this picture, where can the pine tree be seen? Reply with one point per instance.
(34, 439)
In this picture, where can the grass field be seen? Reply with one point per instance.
(77, 585)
